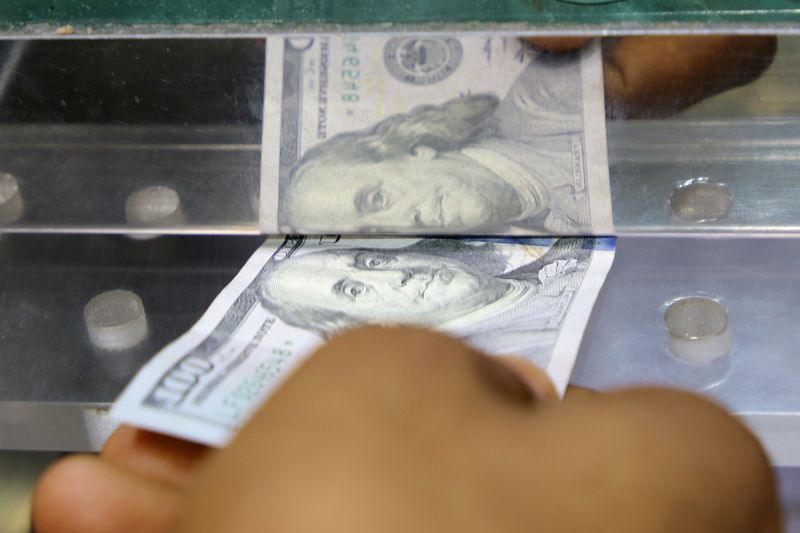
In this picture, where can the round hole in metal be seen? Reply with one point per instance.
(698, 329)
(700, 200)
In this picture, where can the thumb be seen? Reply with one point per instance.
(557, 44)
(533, 377)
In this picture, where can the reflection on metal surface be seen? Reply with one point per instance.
(681, 371)
(52, 384)
(757, 280)
(155, 206)
(98, 425)
(20, 471)
(49, 279)
(85, 124)
(700, 200)
(698, 329)
(54, 426)
(11, 205)
(758, 157)
(115, 320)
(8, 64)
(87, 182)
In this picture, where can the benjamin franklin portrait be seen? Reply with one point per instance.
(464, 288)
(483, 163)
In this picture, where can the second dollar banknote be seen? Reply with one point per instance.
(527, 297)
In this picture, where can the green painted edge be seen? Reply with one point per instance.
(29, 13)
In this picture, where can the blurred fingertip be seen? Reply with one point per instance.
(557, 44)
(52, 499)
(532, 377)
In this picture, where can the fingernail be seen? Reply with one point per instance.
(516, 379)
(534, 377)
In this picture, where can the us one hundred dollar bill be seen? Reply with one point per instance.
(525, 297)
(438, 134)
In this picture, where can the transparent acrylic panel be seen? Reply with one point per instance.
(702, 134)
(753, 280)
(55, 381)
(729, 162)
(47, 355)
(84, 125)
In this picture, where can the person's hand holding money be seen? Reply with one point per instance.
(659, 75)
(399, 429)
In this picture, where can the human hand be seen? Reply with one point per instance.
(401, 429)
(659, 75)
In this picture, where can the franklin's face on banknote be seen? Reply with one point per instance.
(518, 296)
(422, 189)
(415, 171)
(331, 289)
(438, 135)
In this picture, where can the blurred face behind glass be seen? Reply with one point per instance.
(423, 191)
(384, 287)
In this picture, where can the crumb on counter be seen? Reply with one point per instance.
(67, 29)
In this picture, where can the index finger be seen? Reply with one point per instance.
(557, 44)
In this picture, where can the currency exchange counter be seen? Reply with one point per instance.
(131, 157)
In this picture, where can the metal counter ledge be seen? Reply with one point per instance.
(55, 387)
